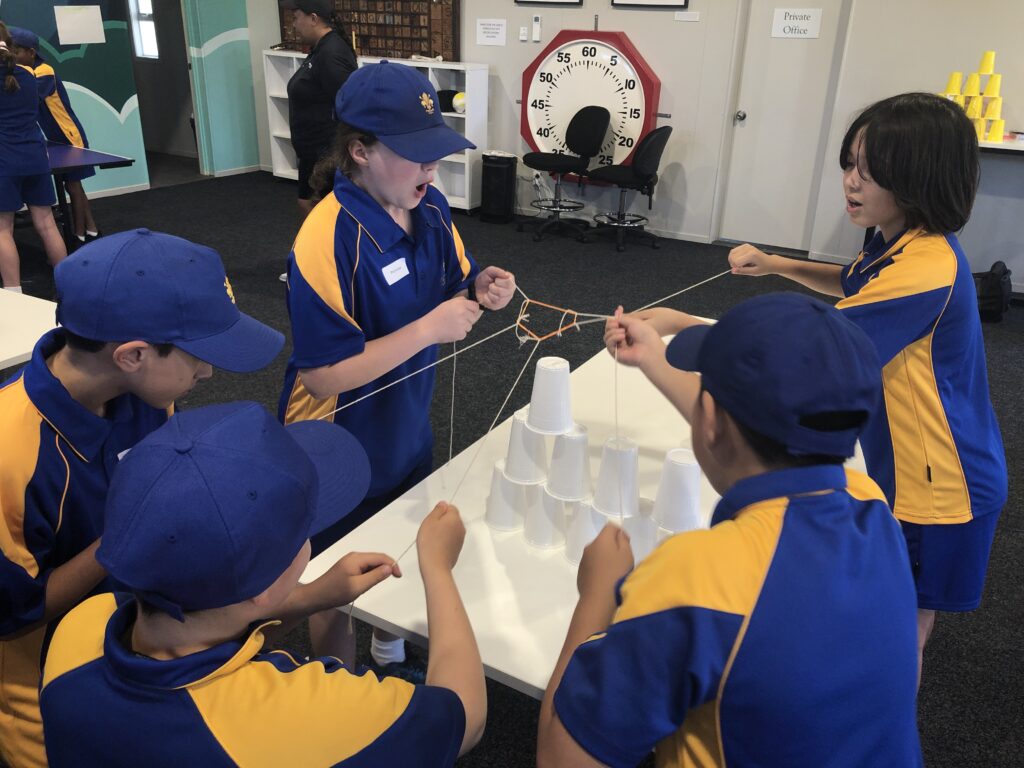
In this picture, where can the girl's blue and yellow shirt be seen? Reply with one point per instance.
(59, 122)
(354, 275)
(786, 635)
(231, 704)
(934, 445)
(56, 460)
(22, 149)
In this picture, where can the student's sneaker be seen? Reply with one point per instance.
(283, 277)
(90, 237)
(412, 670)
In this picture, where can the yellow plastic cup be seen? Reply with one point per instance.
(973, 87)
(994, 110)
(955, 82)
(974, 108)
(988, 63)
(992, 86)
(959, 99)
(995, 133)
(979, 128)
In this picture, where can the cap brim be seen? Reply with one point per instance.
(341, 466)
(246, 346)
(427, 145)
(683, 351)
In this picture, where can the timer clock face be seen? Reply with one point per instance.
(579, 69)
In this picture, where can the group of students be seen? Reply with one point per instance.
(151, 560)
(34, 109)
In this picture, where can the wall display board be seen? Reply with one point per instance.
(394, 28)
(652, 3)
(585, 67)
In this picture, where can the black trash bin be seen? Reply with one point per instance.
(498, 187)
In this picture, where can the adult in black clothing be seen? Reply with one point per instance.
(312, 89)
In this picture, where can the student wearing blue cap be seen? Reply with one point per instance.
(207, 523)
(377, 278)
(60, 125)
(24, 167)
(785, 634)
(144, 317)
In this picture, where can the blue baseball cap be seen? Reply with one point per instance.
(399, 106)
(161, 289)
(25, 38)
(780, 364)
(210, 509)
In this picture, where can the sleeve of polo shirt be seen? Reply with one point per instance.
(462, 268)
(628, 688)
(46, 80)
(26, 538)
(320, 301)
(904, 302)
(334, 68)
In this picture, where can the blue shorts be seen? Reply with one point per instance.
(15, 191)
(949, 562)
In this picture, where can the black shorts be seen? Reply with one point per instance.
(306, 164)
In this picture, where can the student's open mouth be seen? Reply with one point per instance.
(851, 204)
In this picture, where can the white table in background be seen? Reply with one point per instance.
(23, 319)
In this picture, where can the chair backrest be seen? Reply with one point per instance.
(649, 151)
(586, 131)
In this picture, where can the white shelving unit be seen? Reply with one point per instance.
(458, 175)
(278, 68)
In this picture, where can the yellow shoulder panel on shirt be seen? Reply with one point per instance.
(79, 637)
(724, 567)
(862, 487)
(314, 254)
(19, 454)
(44, 70)
(302, 406)
(925, 264)
(256, 712)
(460, 249)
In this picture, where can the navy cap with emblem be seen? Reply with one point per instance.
(399, 106)
(148, 286)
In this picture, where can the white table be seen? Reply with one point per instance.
(23, 319)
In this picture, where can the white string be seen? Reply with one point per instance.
(618, 445)
(451, 420)
(677, 293)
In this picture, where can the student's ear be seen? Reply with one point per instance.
(709, 419)
(359, 153)
(129, 356)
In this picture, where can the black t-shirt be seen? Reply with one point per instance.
(311, 93)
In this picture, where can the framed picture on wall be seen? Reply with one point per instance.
(549, 2)
(673, 4)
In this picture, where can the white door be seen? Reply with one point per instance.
(780, 124)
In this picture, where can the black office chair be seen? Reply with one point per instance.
(584, 138)
(641, 175)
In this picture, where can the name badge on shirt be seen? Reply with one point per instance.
(395, 271)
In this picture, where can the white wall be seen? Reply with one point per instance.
(913, 45)
(694, 63)
(264, 31)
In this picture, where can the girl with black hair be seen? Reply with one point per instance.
(910, 169)
(24, 167)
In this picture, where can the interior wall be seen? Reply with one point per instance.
(264, 31)
(880, 61)
(165, 98)
(692, 59)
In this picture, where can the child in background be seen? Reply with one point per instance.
(910, 168)
(144, 317)
(208, 523)
(24, 167)
(785, 634)
(377, 278)
(60, 126)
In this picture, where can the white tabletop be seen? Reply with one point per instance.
(23, 319)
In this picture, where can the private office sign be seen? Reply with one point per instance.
(797, 22)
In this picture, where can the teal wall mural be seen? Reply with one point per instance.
(99, 82)
(218, 39)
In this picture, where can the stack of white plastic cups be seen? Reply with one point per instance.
(677, 506)
(617, 498)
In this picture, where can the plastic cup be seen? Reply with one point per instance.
(992, 86)
(994, 109)
(506, 502)
(677, 505)
(996, 131)
(959, 99)
(545, 520)
(664, 533)
(973, 86)
(988, 63)
(974, 108)
(979, 128)
(955, 82)
(550, 404)
(526, 460)
(583, 523)
(642, 530)
(569, 475)
(616, 493)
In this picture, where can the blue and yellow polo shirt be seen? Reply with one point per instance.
(934, 445)
(58, 121)
(232, 704)
(354, 275)
(22, 149)
(56, 460)
(785, 635)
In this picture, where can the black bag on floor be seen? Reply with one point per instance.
(993, 292)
